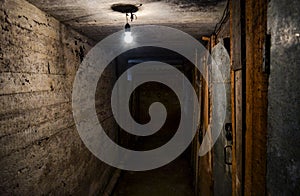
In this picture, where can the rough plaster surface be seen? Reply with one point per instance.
(41, 152)
(283, 161)
(95, 19)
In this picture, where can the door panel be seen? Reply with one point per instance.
(222, 148)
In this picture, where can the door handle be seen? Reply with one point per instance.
(227, 162)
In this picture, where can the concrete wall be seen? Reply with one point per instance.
(41, 151)
(283, 161)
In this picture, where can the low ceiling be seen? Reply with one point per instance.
(96, 19)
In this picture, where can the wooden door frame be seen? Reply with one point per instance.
(237, 42)
(256, 98)
(248, 28)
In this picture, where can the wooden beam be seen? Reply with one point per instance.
(237, 44)
(256, 98)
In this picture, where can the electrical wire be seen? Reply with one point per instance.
(223, 19)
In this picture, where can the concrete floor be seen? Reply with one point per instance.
(174, 179)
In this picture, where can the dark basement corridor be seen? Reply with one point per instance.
(60, 103)
(174, 178)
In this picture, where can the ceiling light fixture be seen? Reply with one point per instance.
(128, 37)
(129, 10)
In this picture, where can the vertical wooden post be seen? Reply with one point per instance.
(256, 98)
(249, 96)
(237, 43)
(205, 184)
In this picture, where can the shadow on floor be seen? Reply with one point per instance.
(173, 179)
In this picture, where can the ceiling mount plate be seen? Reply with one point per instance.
(125, 8)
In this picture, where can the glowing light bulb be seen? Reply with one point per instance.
(128, 37)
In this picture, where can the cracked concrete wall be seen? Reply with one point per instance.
(41, 151)
(283, 159)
